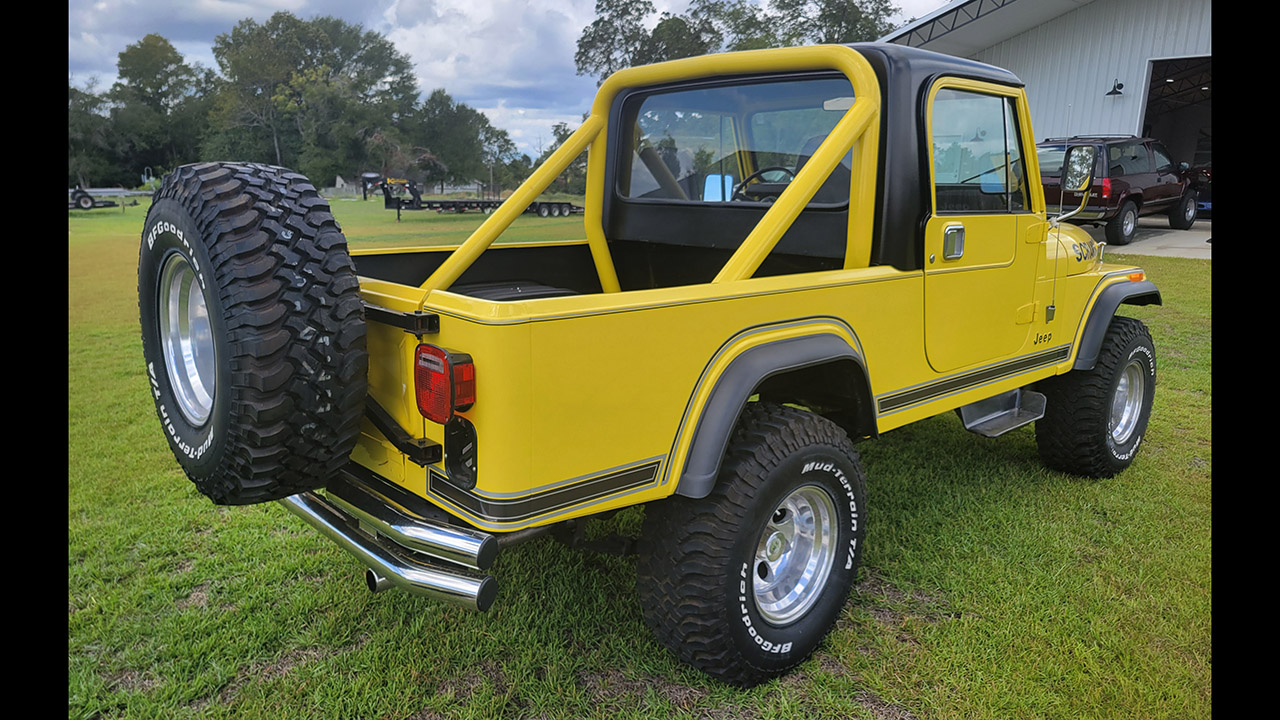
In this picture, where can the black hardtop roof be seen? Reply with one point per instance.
(917, 64)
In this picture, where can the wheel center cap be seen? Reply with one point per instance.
(775, 546)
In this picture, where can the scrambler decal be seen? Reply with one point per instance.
(1084, 251)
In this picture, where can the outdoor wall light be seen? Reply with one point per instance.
(1116, 88)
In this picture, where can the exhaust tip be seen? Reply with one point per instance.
(375, 582)
(487, 553)
(487, 593)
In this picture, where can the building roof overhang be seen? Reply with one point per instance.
(965, 27)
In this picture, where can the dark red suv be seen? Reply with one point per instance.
(1133, 176)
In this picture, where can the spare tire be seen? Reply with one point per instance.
(252, 330)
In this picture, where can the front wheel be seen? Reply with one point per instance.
(745, 583)
(1183, 215)
(1095, 419)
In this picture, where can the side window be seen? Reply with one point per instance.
(1164, 163)
(1128, 159)
(1017, 174)
(977, 157)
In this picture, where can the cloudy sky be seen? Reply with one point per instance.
(511, 59)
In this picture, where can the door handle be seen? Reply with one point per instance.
(952, 242)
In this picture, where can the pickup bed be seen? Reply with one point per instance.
(786, 252)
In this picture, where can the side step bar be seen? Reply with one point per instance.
(997, 415)
(371, 527)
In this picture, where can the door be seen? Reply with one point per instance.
(1168, 186)
(979, 274)
(1129, 167)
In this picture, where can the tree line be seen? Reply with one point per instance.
(620, 36)
(321, 96)
(329, 98)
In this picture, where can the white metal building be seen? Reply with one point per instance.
(1116, 67)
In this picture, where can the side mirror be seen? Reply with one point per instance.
(1077, 168)
(1077, 177)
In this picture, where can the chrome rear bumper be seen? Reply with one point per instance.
(402, 548)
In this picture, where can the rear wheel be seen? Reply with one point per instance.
(543, 211)
(745, 583)
(252, 330)
(83, 200)
(1122, 228)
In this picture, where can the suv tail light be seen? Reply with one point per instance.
(1106, 188)
(444, 382)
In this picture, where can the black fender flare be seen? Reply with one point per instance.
(735, 386)
(1128, 293)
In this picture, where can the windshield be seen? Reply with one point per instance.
(1050, 157)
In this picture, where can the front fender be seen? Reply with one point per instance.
(1128, 293)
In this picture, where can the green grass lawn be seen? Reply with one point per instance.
(991, 587)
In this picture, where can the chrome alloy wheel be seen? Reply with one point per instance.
(1130, 222)
(186, 338)
(1191, 211)
(1126, 404)
(795, 555)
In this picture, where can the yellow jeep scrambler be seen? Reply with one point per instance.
(786, 251)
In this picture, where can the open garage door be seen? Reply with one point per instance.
(1179, 112)
(1179, 105)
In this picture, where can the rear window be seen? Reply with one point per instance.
(740, 142)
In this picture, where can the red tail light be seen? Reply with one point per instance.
(444, 382)
(1106, 188)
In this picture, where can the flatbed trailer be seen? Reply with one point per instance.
(92, 198)
(410, 198)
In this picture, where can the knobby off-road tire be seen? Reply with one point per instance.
(745, 583)
(1095, 419)
(1183, 215)
(252, 330)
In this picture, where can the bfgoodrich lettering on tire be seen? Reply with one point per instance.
(1095, 419)
(745, 583)
(252, 330)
